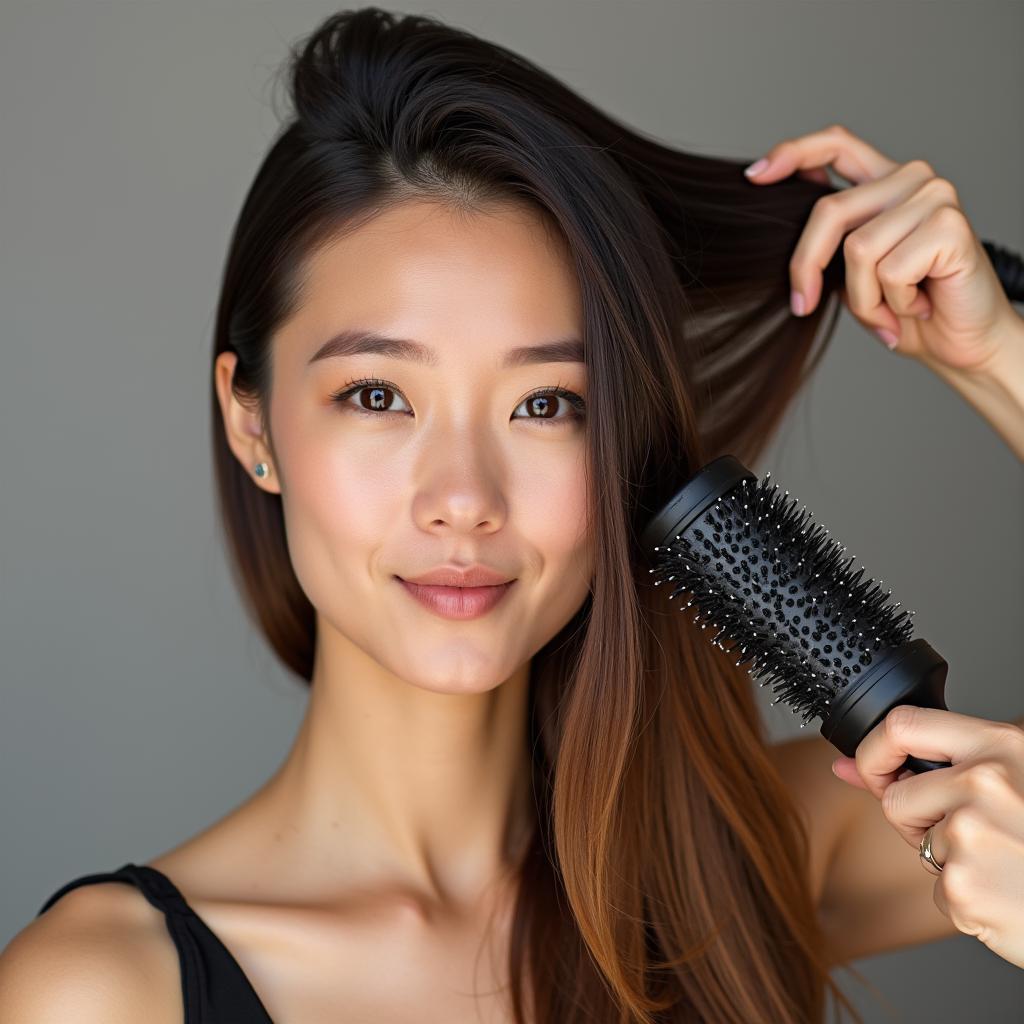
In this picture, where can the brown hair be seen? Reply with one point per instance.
(668, 875)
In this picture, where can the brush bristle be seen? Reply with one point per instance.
(775, 585)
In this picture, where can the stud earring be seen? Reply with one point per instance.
(261, 469)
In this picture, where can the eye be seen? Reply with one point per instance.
(375, 398)
(543, 406)
(379, 394)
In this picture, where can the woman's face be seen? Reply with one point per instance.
(459, 465)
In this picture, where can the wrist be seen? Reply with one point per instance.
(996, 388)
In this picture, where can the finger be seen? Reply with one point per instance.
(835, 146)
(914, 803)
(928, 733)
(940, 246)
(834, 215)
(888, 256)
(972, 794)
(845, 768)
(818, 174)
(940, 841)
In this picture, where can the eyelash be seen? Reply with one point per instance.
(354, 386)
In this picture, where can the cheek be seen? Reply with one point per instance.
(347, 511)
(551, 508)
(340, 503)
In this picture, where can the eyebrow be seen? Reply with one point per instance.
(355, 341)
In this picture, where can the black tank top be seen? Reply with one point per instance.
(215, 988)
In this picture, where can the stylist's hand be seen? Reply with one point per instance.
(909, 251)
(975, 809)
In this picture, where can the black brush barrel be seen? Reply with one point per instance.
(771, 581)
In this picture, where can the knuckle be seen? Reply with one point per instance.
(963, 824)
(1011, 736)
(892, 800)
(838, 129)
(987, 777)
(888, 274)
(956, 883)
(920, 166)
(826, 207)
(948, 218)
(855, 245)
(900, 720)
(940, 188)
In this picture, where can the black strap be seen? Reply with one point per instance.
(234, 999)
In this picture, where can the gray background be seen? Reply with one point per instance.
(137, 704)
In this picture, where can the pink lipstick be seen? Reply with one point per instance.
(457, 602)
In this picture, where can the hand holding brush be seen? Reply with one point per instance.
(773, 584)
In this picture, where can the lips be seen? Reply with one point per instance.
(457, 576)
(457, 602)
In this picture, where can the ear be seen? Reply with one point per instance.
(242, 426)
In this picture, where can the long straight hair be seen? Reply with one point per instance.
(667, 879)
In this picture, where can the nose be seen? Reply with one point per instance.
(460, 488)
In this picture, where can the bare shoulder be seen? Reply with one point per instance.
(102, 952)
(824, 802)
(870, 890)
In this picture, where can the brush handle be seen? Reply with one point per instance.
(913, 673)
(920, 764)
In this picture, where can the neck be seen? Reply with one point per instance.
(394, 786)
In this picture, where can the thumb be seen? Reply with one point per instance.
(845, 768)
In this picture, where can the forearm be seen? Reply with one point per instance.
(997, 391)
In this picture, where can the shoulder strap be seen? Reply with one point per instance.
(214, 987)
(99, 876)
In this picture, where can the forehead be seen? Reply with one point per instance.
(422, 269)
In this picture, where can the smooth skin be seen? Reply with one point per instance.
(366, 870)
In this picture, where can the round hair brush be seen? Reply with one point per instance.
(775, 585)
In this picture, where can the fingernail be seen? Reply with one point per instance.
(834, 772)
(756, 167)
(796, 302)
(888, 337)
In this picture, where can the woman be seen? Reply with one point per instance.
(471, 333)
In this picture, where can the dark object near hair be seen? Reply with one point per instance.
(775, 584)
(1009, 269)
